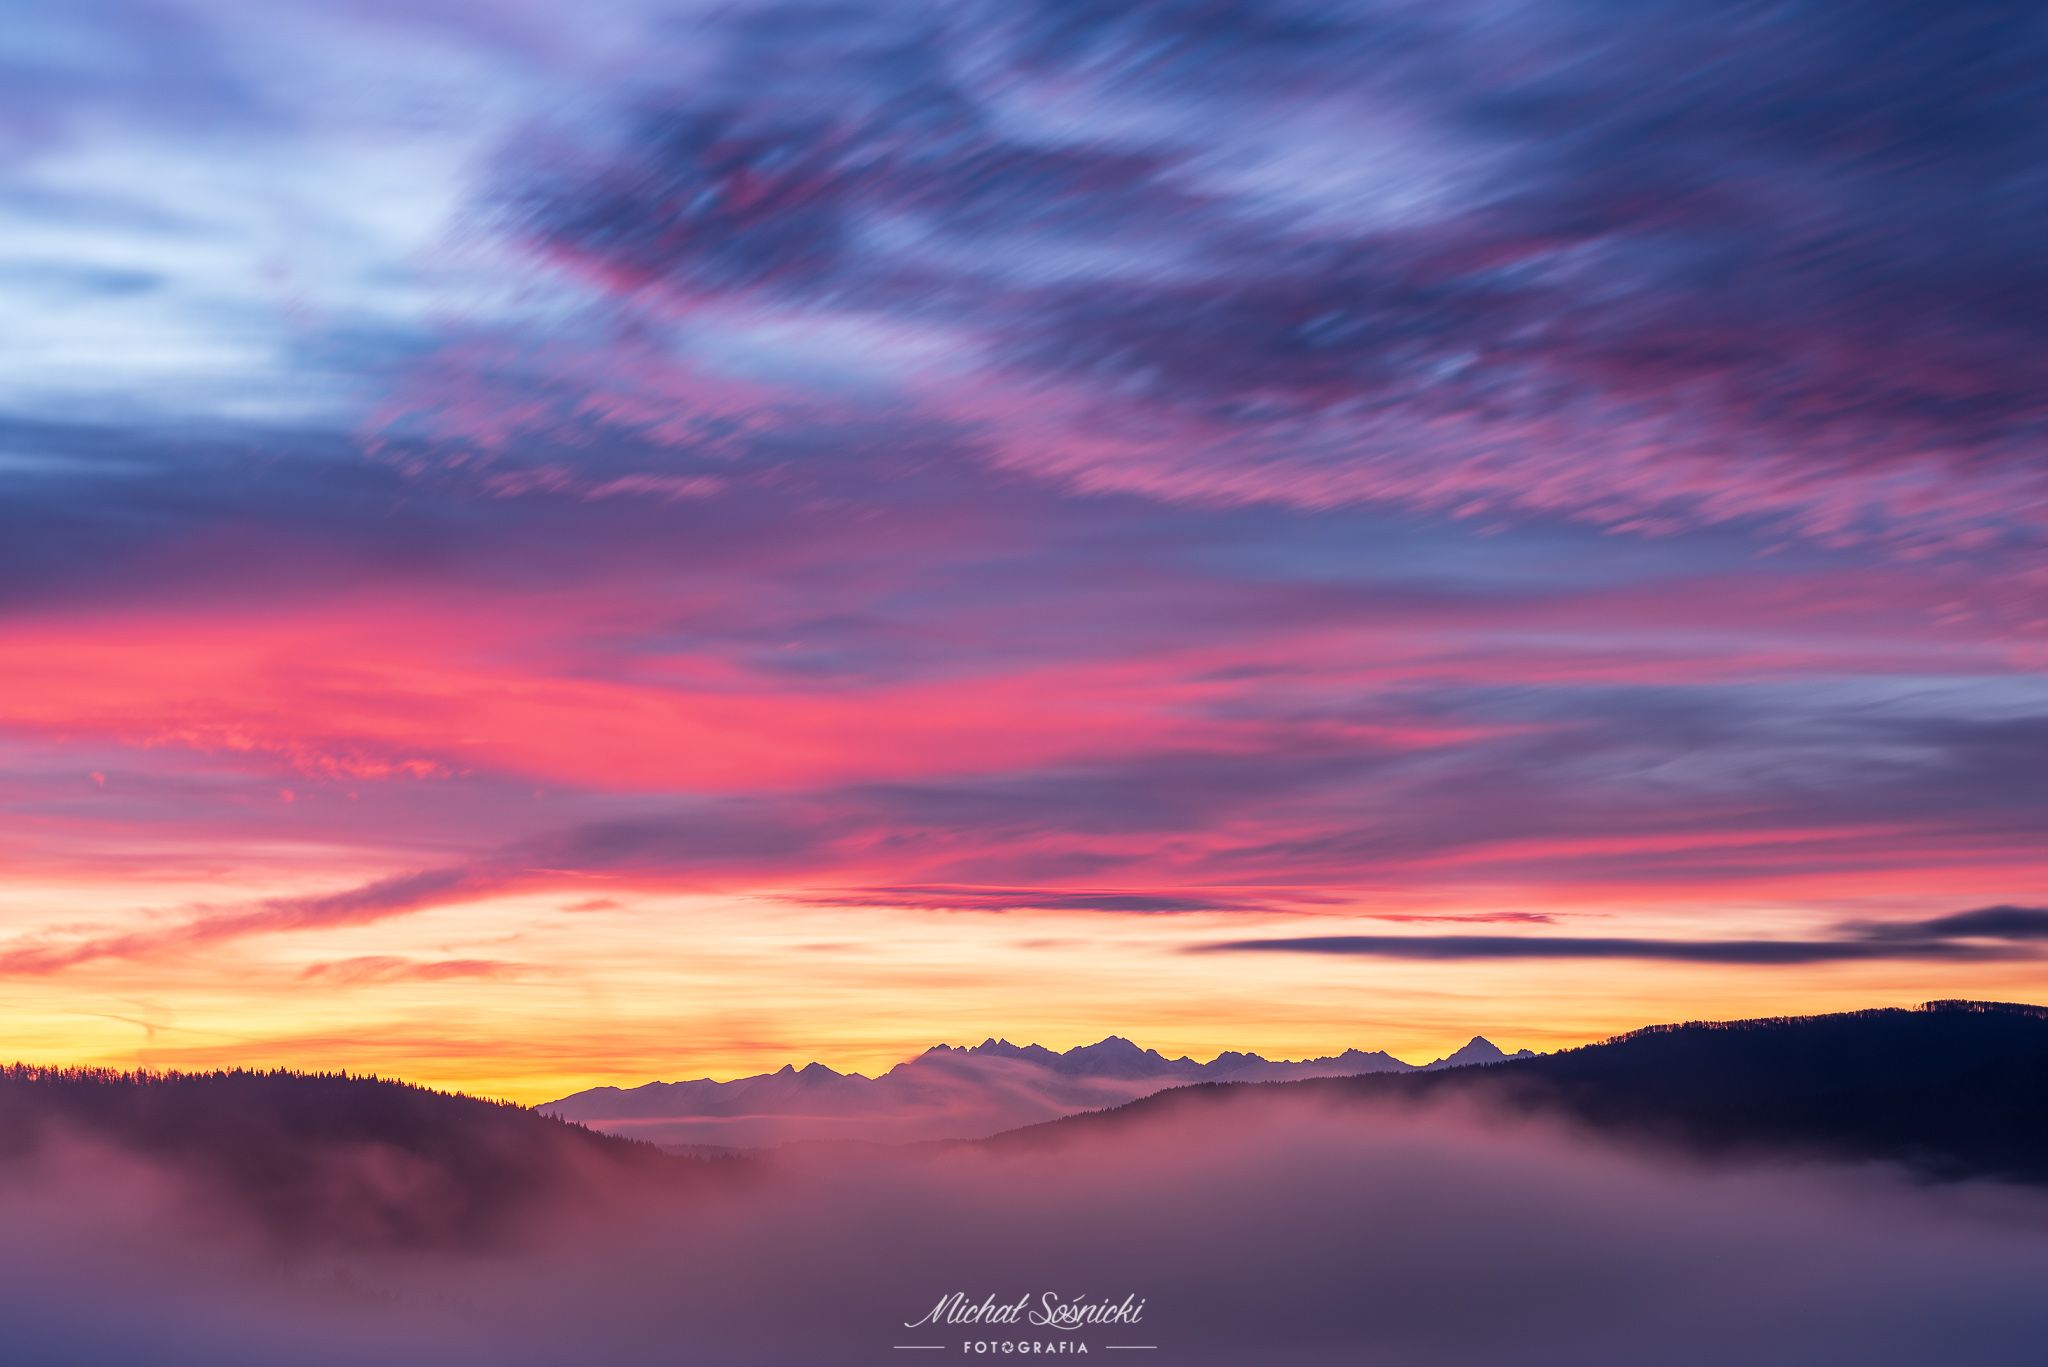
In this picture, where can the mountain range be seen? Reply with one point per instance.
(947, 1092)
(1951, 1090)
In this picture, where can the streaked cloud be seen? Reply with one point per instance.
(1161, 473)
(1985, 934)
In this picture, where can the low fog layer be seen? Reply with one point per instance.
(1260, 1229)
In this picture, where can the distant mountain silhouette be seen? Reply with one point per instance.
(349, 1159)
(1951, 1089)
(947, 1092)
(1479, 1050)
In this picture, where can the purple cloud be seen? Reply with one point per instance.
(1470, 257)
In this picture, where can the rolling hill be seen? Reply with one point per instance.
(1951, 1089)
(335, 1157)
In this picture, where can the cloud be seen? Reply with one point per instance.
(1651, 789)
(1474, 257)
(1460, 947)
(381, 968)
(1119, 458)
(1992, 933)
(369, 902)
(1989, 923)
(954, 898)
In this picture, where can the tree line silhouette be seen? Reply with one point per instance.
(1950, 1089)
(341, 1155)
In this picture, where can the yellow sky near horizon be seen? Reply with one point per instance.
(518, 997)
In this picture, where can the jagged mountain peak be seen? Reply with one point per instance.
(1110, 1046)
(1478, 1050)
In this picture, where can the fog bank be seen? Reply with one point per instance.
(1259, 1230)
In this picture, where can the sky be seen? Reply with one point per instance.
(547, 545)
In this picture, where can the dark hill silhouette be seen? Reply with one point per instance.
(1951, 1089)
(356, 1159)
